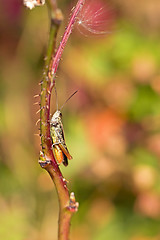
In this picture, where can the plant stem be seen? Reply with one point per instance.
(67, 203)
(66, 35)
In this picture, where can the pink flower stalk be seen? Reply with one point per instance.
(66, 35)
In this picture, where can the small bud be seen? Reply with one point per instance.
(73, 205)
(72, 197)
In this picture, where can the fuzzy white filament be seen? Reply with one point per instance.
(96, 17)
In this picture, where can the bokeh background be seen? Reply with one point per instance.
(112, 126)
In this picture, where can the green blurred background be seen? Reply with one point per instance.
(112, 125)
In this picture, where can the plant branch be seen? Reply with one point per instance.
(67, 203)
(66, 35)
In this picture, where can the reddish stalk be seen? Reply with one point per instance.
(67, 203)
(66, 35)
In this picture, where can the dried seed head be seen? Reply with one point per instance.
(95, 18)
(33, 3)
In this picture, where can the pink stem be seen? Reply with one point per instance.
(66, 35)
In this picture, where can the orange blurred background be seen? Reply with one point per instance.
(112, 126)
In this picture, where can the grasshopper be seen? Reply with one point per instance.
(57, 134)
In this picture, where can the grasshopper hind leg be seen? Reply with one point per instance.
(60, 156)
(65, 160)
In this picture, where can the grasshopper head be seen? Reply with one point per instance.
(56, 118)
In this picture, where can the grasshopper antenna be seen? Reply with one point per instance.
(56, 96)
(68, 99)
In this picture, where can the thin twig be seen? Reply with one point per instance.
(66, 35)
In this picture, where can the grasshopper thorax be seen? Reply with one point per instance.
(56, 118)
